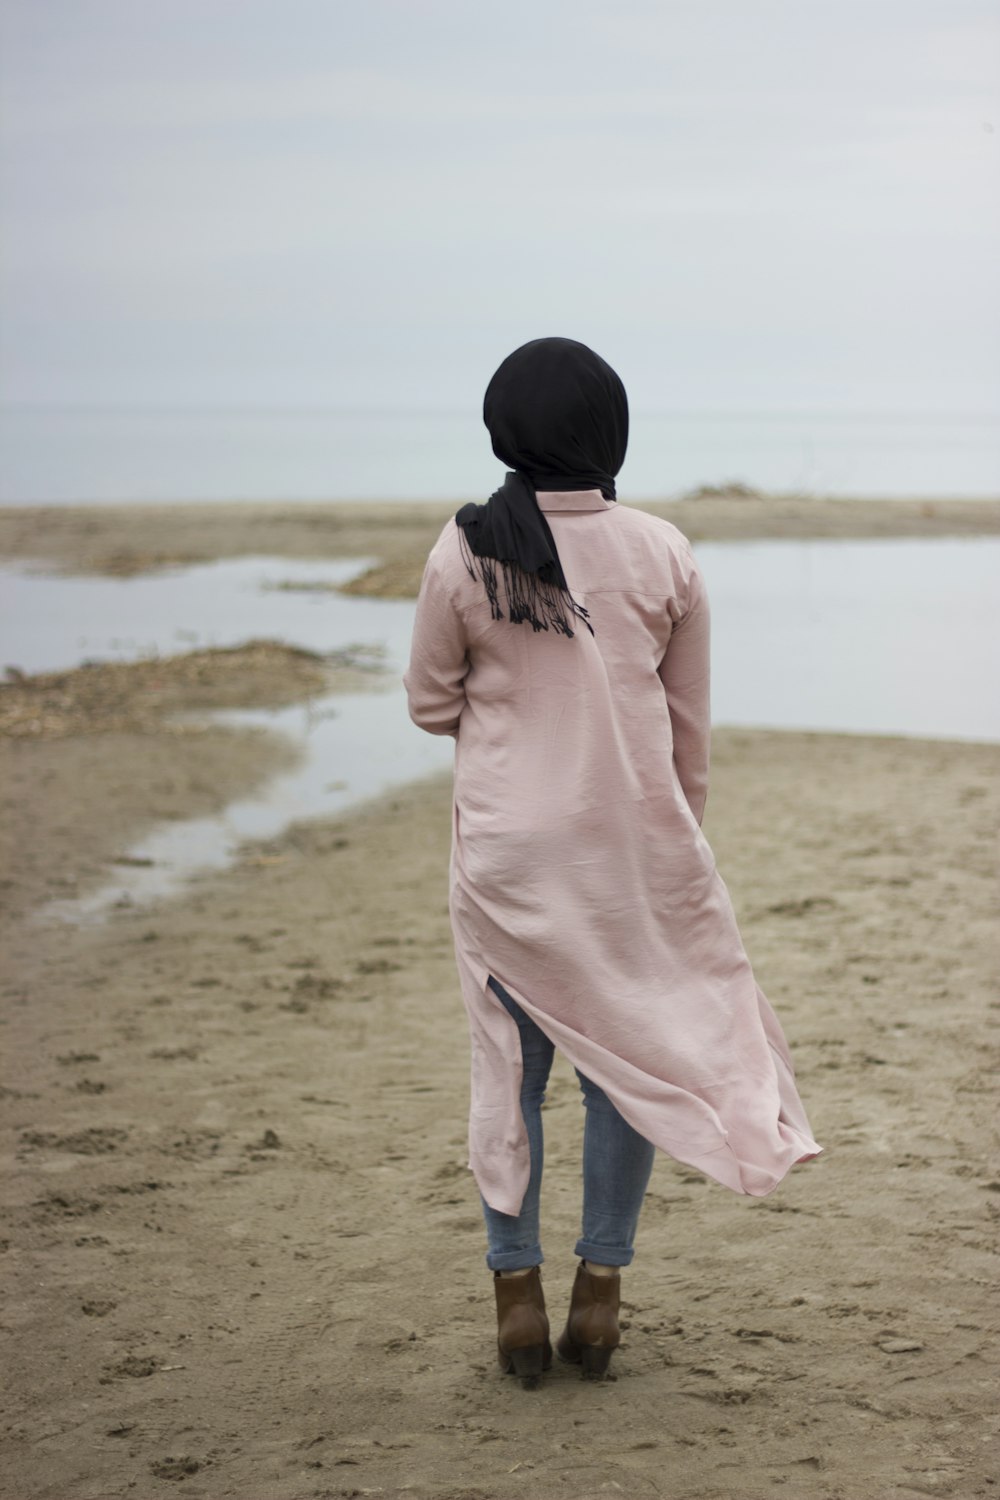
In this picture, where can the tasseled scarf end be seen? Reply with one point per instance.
(528, 597)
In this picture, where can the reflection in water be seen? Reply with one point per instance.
(883, 637)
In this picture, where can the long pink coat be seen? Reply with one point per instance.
(580, 877)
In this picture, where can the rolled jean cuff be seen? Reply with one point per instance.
(603, 1255)
(515, 1260)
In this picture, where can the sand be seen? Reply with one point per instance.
(243, 1254)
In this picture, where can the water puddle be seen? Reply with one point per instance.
(883, 637)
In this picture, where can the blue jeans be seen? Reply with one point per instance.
(617, 1162)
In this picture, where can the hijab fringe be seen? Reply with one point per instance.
(529, 598)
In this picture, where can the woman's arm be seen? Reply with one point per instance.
(684, 672)
(435, 678)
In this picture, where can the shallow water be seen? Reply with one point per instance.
(882, 636)
(49, 622)
(875, 636)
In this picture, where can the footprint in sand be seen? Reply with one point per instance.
(132, 1367)
(175, 1468)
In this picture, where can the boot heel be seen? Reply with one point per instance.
(528, 1364)
(567, 1351)
(595, 1359)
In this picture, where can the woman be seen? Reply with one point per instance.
(563, 641)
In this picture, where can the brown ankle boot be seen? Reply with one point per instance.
(522, 1326)
(591, 1334)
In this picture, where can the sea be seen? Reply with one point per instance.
(64, 455)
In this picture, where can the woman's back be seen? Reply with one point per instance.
(564, 724)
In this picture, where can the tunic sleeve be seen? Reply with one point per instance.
(684, 672)
(435, 678)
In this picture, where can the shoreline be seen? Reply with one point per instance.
(123, 540)
(94, 758)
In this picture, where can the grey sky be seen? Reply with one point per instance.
(743, 204)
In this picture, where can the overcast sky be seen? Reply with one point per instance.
(742, 204)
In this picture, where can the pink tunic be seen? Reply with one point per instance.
(580, 877)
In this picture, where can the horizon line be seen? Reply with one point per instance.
(912, 414)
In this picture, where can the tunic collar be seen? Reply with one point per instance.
(572, 500)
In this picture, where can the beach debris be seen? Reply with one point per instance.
(132, 1367)
(260, 1150)
(898, 1345)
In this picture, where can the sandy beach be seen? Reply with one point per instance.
(243, 1254)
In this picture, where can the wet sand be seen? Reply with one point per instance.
(94, 758)
(243, 1254)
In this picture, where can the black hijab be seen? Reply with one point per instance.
(558, 415)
